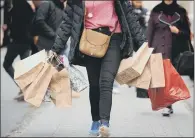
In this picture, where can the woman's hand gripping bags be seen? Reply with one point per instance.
(38, 72)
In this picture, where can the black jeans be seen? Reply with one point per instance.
(169, 107)
(101, 75)
(13, 50)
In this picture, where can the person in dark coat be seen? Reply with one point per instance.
(21, 15)
(6, 24)
(34, 5)
(141, 13)
(105, 17)
(168, 40)
(48, 17)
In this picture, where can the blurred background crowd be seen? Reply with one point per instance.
(23, 20)
(32, 5)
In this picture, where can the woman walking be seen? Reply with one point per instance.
(105, 17)
(168, 33)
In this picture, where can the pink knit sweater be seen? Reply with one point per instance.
(104, 15)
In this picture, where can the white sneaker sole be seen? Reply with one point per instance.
(167, 112)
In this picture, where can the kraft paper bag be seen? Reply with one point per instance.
(28, 69)
(157, 71)
(76, 94)
(60, 89)
(35, 92)
(142, 81)
(131, 68)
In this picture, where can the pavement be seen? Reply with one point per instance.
(130, 117)
(13, 113)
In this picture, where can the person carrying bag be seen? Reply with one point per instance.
(102, 33)
(38, 72)
(168, 33)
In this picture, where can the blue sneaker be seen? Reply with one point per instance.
(95, 128)
(104, 130)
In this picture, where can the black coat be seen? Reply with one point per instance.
(73, 26)
(162, 39)
(48, 17)
(21, 16)
(7, 7)
(141, 14)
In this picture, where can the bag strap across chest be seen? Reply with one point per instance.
(85, 14)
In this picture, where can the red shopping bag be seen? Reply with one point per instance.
(174, 90)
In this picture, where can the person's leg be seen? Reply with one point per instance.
(24, 53)
(142, 93)
(109, 67)
(167, 111)
(170, 107)
(93, 70)
(11, 54)
(9, 58)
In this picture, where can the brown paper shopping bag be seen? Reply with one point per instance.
(142, 81)
(60, 89)
(133, 67)
(157, 71)
(76, 94)
(35, 92)
(27, 70)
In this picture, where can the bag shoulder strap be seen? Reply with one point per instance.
(85, 22)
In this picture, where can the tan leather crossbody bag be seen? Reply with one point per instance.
(93, 43)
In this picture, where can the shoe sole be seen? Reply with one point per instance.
(166, 115)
